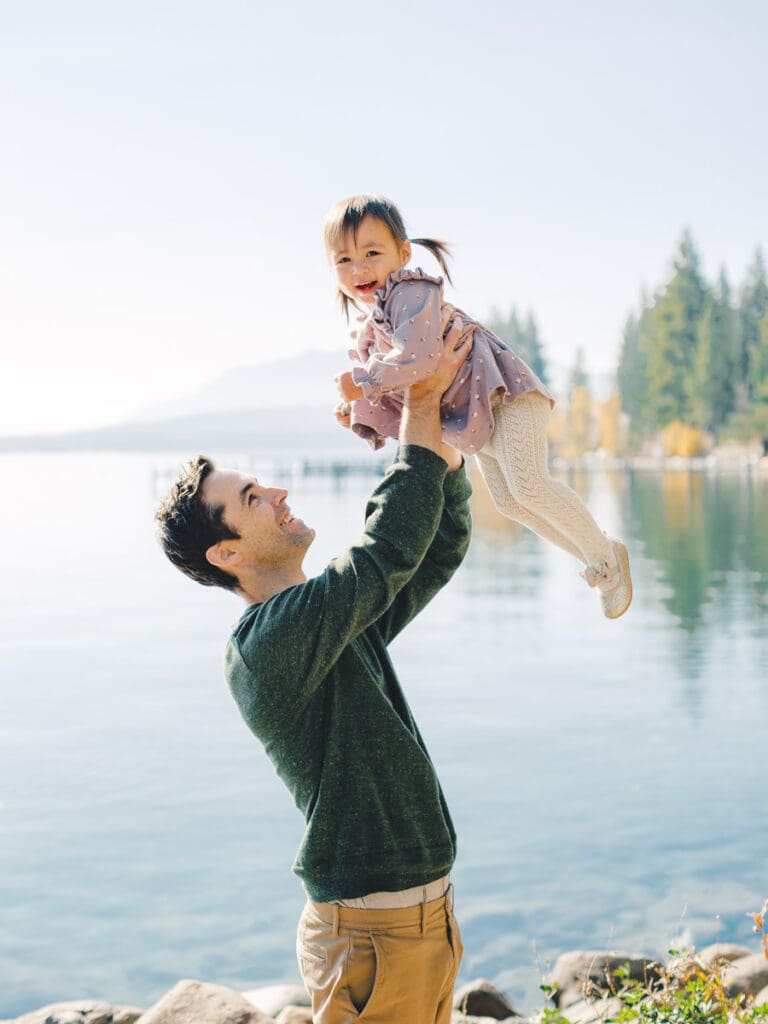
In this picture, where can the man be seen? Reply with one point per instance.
(308, 666)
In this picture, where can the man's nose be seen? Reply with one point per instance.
(278, 495)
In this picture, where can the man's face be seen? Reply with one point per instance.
(269, 535)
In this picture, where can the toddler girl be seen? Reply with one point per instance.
(497, 409)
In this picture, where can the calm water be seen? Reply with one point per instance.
(605, 777)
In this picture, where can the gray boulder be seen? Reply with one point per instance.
(480, 998)
(82, 1011)
(586, 974)
(457, 1017)
(294, 1015)
(593, 1011)
(197, 1002)
(721, 953)
(271, 999)
(747, 975)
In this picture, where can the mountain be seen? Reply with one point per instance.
(282, 432)
(282, 408)
(304, 380)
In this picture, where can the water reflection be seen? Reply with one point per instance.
(705, 537)
(708, 539)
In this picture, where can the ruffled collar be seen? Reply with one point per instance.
(395, 278)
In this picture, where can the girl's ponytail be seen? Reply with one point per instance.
(439, 250)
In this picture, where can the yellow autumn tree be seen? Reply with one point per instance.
(682, 439)
(611, 426)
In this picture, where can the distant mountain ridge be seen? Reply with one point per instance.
(284, 407)
(303, 380)
(290, 432)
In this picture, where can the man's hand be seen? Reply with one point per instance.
(421, 413)
(455, 352)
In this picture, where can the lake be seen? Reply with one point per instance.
(605, 778)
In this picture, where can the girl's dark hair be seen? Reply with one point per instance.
(347, 215)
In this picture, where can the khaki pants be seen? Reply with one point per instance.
(380, 966)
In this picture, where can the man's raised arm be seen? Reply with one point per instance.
(420, 422)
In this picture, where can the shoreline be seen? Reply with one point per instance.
(585, 987)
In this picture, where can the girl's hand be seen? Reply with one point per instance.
(343, 414)
(348, 390)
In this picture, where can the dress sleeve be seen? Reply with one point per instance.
(411, 335)
(367, 422)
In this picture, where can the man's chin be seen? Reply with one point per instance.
(304, 536)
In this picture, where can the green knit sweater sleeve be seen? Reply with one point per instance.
(444, 555)
(282, 650)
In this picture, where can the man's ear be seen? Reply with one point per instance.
(223, 555)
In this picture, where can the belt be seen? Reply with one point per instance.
(403, 898)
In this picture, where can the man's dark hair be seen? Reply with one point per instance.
(188, 526)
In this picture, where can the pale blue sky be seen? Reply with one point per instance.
(165, 168)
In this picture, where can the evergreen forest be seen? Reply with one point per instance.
(692, 369)
(696, 354)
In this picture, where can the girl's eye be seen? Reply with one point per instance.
(372, 252)
(342, 259)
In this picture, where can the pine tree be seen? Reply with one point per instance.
(631, 373)
(753, 354)
(716, 361)
(672, 323)
(578, 377)
(523, 339)
(535, 350)
(579, 418)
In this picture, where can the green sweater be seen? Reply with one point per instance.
(311, 674)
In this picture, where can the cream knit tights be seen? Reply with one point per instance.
(514, 464)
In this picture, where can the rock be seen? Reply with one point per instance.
(593, 1011)
(721, 953)
(482, 999)
(748, 975)
(457, 1017)
(271, 999)
(294, 1015)
(584, 974)
(197, 1002)
(79, 1012)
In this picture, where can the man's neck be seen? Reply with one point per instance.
(256, 588)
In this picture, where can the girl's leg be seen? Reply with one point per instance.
(506, 504)
(519, 445)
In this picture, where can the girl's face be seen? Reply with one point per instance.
(364, 263)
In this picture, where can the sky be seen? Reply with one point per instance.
(165, 168)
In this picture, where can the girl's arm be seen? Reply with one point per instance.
(412, 313)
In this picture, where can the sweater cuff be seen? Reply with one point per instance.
(456, 486)
(422, 458)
